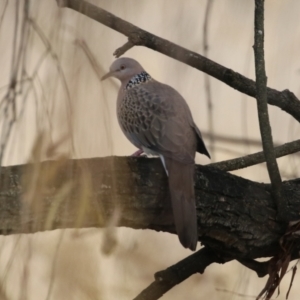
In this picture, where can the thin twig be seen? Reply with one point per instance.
(98, 69)
(262, 104)
(286, 100)
(54, 264)
(62, 76)
(207, 82)
(256, 158)
(3, 12)
(120, 51)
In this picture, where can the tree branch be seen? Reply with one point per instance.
(236, 217)
(261, 268)
(256, 158)
(285, 100)
(262, 104)
(167, 279)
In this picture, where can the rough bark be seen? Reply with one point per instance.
(236, 217)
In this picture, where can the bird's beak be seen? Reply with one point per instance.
(109, 74)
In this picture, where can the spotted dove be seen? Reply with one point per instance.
(157, 120)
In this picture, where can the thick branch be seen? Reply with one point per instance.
(167, 279)
(285, 100)
(236, 217)
(262, 104)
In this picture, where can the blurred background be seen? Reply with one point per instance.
(51, 96)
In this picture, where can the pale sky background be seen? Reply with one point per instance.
(81, 270)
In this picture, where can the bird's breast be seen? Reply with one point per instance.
(132, 115)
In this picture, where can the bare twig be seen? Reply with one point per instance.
(256, 158)
(54, 264)
(286, 100)
(3, 12)
(262, 104)
(261, 268)
(120, 51)
(207, 81)
(61, 74)
(294, 270)
(17, 62)
(99, 71)
(167, 279)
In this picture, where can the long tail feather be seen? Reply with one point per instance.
(181, 185)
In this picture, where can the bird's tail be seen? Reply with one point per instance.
(181, 185)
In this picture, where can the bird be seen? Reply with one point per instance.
(157, 120)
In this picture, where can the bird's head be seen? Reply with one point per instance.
(124, 69)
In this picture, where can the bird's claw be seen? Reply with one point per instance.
(137, 153)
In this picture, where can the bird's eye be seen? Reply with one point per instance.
(122, 67)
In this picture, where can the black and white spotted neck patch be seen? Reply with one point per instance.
(138, 79)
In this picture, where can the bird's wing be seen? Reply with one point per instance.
(201, 148)
(159, 120)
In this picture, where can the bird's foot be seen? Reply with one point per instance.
(138, 153)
